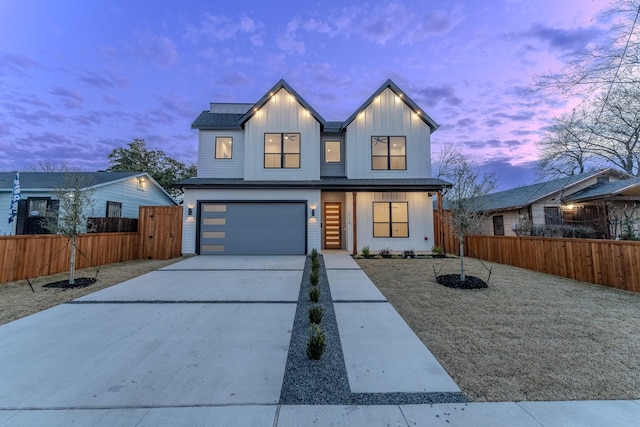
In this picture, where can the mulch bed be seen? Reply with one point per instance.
(81, 282)
(453, 281)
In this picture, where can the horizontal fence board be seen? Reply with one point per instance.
(30, 256)
(613, 263)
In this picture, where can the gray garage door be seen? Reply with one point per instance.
(253, 228)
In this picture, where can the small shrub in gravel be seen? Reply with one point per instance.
(316, 343)
(315, 266)
(314, 294)
(314, 277)
(315, 314)
(314, 254)
(453, 281)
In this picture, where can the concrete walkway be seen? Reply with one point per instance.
(205, 342)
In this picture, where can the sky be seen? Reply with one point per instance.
(80, 78)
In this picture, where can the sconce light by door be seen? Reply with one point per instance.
(313, 212)
(190, 211)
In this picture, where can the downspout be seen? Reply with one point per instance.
(355, 224)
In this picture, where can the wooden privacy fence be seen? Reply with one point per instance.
(613, 263)
(159, 236)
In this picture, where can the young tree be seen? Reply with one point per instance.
(465, 197)
(75, 200)
(136, 157)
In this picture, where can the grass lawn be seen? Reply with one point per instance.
(529, 336)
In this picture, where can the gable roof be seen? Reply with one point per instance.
(405, 98)
(281, 85)
(523, 196)
(625, 187)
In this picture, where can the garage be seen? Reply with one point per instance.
(253, 228)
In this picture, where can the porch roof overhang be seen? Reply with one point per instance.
(329, 184)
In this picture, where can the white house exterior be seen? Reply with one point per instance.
(275, 178)
(114, 194)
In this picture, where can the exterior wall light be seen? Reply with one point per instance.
(190, 211)
(313, 212)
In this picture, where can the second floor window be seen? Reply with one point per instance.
(224, 147)
(388, 153)
(282, 150)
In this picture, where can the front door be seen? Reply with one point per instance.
(332, 225)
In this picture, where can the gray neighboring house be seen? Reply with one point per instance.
(600, 200)
(115, 194)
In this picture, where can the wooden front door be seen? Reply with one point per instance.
(332, 225)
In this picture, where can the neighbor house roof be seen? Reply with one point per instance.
(624, 187)
(523, 196)
(336, 183)
(51, 180)
(407, 100)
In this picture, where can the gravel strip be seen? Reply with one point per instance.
(325, 381)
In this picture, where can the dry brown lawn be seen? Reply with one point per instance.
(529, 336)
(17, 300)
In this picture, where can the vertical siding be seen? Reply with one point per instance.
(282, 114)
(209, 166)
(193, 196)
(388, 115)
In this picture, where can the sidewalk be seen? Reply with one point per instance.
(205, 342)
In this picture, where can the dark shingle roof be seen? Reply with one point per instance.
(51, 180)
(338, 183)
(606, 189)
(208, 120)
(524, 196)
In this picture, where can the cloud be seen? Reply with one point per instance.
(567, 40)
(15, 63)
(222, 28)
(70, 98)
(157, 49)
(432, 95)
(434, 23)
(235, 78)
(288, 40)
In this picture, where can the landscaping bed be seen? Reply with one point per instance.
(528, 336)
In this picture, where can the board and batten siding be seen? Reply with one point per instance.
(193, 196)
(388, 115)
(420, 204)
(209, 166)
(282, 114)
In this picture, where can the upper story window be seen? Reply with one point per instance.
(224, 147)
(388, 153)
(332, 152)
(282, 150)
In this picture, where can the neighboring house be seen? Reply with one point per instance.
(599, 201)
(275, 178)
(115, 194)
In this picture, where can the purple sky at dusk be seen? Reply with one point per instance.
(80, 78)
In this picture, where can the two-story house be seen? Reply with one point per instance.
(275, 178)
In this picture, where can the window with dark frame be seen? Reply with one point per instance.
(114, 210)
(224, 147)
(282, 150)
(388, 153)
(498, 225)
(552, 216)
(390, 219)
(332, 152)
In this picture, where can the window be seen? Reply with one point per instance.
(332, 152)
(281, 150)
(224, 147)
(552, 216)
(498, 225)
(388, 153)
(390, 219)
(114, 210)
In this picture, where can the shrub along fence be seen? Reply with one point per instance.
(159, 236)
(613, 263)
